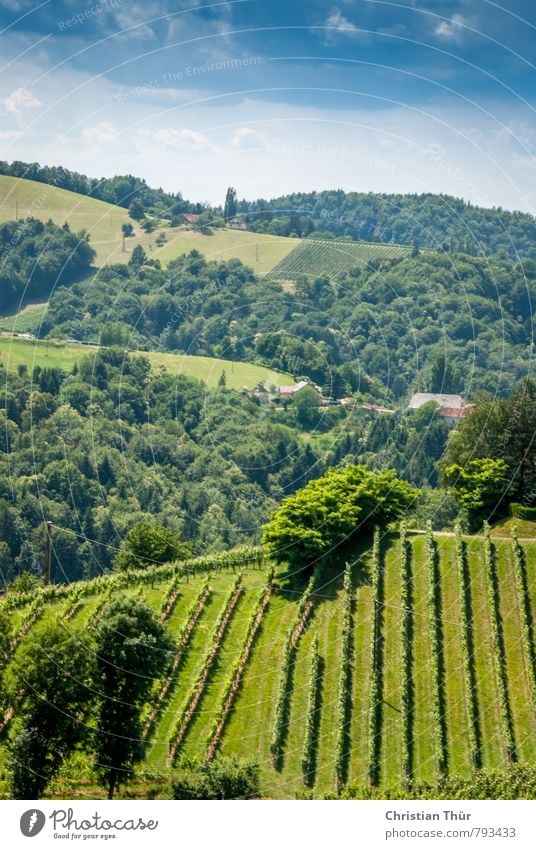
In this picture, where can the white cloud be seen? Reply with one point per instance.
(104, 133)
(452, 30)
(186, 140)
(19, 100)
(524, 161)
(248, 139)
(338, 25)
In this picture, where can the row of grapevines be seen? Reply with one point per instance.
(185, 717)
(345, 682)
(406, 700)
(437, 656)
(192, 615)
(237, 671)
(285, 676)
(311, 721)
(245, 556)
(170, 599)
(34, 612)
(499, 657)
(76, 603)
(100, 610)
(473, 727)
(374, 713)
(527, 631)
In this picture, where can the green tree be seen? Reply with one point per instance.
(502, 429)
(132, 650)
(127, 229)
(333, 510)
(444, 376)
(306, 407)
(148, 545)
(136, 210)
(480, 486)
(138, 258)
(55, 675)
(229, 210)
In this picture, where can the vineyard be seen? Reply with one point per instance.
(325, 257)
(413, 663)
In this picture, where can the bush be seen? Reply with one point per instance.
(520, 511)
(223, 778)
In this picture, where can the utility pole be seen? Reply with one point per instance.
(48, 551)
(16, 210)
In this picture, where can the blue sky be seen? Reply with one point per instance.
(274, 97)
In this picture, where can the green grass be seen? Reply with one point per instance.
(424, 749)
(526, 528)
(103, 222)
(31, 353)
(256, 250)
(248, 731)
(328, 257)
(209, 370)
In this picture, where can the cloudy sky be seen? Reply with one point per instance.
(277, 96)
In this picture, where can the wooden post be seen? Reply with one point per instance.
(48, 552)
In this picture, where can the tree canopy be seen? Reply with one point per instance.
(502, 429)
(332, 511)
(132, 650)
(148, 544)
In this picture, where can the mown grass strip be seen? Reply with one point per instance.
(280, 726)
(312, 720)
(165, 684)
(439, 730)
(467, 639)
(376, 658)
(344, 705)
(186, 715)
(527, 628)
(406, 655)
(499, 656)
(237, 672)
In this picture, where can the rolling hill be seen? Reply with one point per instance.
(31, 353)
(27, 198)
(21, 198)
(436, 675)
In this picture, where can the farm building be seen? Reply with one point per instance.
(451, 407)
(237, 223)
(290, 391)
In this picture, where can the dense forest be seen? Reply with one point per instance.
(441, 222)
(36, 257)
(112, 443)
(379, 330)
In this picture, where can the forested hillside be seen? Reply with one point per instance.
(441, 222)
(378, 329)
(112, 443)
(36, 257)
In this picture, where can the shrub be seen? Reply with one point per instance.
(520, 511)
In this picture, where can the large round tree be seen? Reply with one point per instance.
(333, 510)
